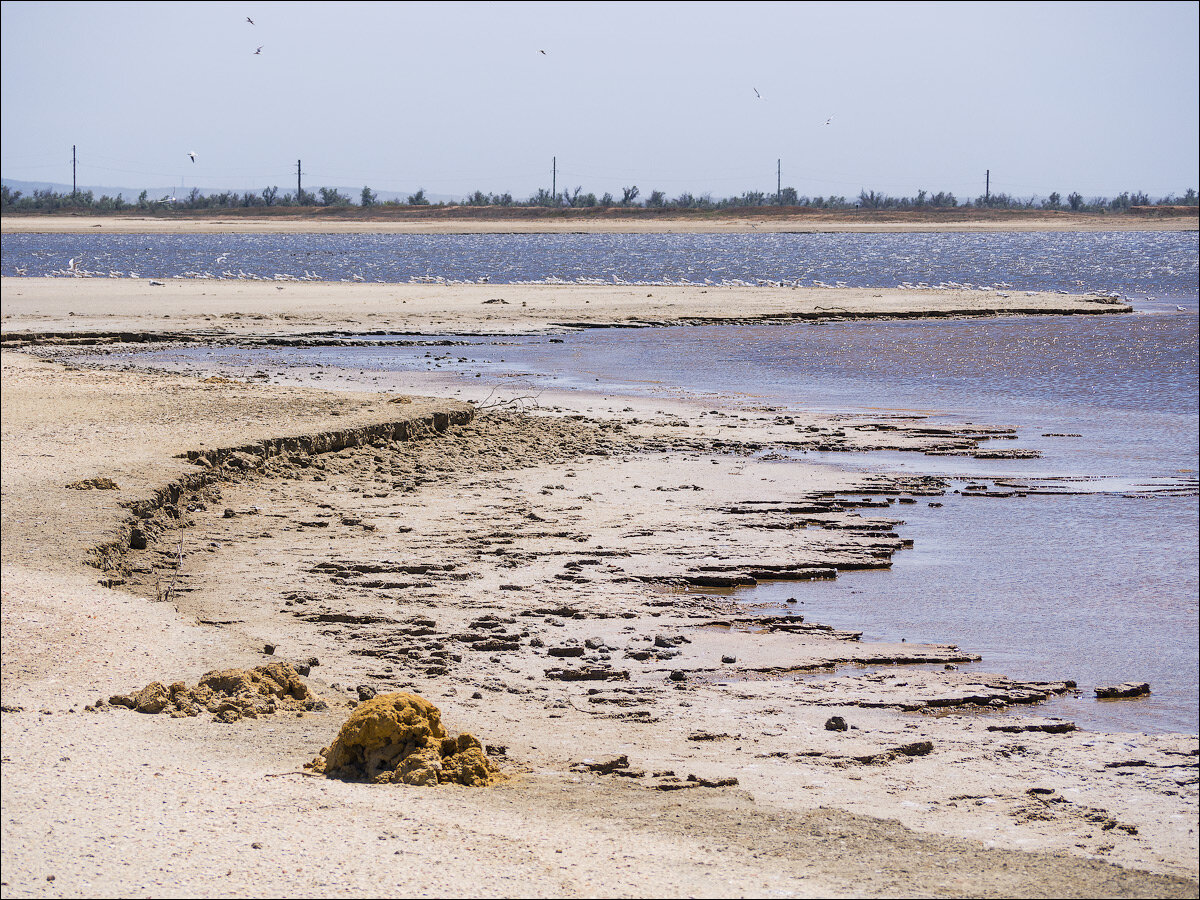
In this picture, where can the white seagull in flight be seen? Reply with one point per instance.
(756, 93)
(250, 20)
(192, 156)
(258, 52)
(829, 121)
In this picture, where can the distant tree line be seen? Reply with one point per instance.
(46, 200)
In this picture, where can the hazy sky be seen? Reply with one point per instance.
(1089, 97)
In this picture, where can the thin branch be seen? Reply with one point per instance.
(520, 401)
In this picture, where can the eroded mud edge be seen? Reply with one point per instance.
(218, 464)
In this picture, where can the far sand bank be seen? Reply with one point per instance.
(739, 222)
(80, 305)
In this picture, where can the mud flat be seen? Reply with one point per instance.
(560, 583)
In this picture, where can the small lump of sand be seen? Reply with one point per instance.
(230, 694)
(399, 738)
(99, 483)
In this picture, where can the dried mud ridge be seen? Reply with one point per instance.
(412, 610)
(65, 340)
(280, 457)
(1104, 306)
(151, 514)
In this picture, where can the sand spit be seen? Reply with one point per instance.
(557, 585)
(744, 222)
(135, 309)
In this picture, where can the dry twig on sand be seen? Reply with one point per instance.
(518, 402)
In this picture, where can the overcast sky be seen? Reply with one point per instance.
(1091, 97)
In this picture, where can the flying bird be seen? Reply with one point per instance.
(192, 156)
(258, 52)
(250, 20)
(543, 52)
(829, 121)
(756, 93)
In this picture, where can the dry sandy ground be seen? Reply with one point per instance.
(513, 535)
(237, 308)
(733, 225)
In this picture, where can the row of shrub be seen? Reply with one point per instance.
(47, 200)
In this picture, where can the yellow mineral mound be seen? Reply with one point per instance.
(399, 738)
(94, 484)
(230, 694)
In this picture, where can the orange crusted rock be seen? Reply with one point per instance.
(229, 694)
(399, 738)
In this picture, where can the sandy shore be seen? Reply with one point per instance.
(586, 538)
(238, 308)
(741, 224)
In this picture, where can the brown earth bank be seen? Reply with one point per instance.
(558, 582)
(464, 219)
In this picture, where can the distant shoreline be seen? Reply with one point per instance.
(508, 220)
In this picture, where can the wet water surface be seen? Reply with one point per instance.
(1145, 264)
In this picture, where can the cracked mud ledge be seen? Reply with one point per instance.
(220, 464)
(610, 568)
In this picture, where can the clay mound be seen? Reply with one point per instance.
(94, 484)
(230, 694)
(399, 738)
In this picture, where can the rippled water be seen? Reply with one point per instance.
(1131, 263)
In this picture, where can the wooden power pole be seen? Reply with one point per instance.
(299, 190)
(74, 186)
(987, 186)
(779, 182)
(553, 178)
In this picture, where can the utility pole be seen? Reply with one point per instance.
(779, 182)
(554, 178)
(299, 190)
(987, 186)
(74, 188)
